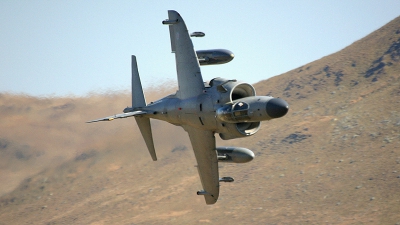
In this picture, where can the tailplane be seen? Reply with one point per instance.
(138, 101)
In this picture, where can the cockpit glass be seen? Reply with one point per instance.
(240, 113)
(240, 106)
(240, 109)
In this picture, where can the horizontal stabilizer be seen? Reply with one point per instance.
(119, 116)
(145, 128)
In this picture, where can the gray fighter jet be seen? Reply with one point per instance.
(227, 107)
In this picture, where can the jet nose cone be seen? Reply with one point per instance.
(277, 107)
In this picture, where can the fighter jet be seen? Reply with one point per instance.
(224, 106)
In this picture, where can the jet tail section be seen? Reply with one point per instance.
(138, 101)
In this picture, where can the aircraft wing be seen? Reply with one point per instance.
(203, 143)
(118, 116)
(188, 71)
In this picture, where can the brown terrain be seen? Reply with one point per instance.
(333, 159)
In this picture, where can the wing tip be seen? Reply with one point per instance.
(210, 199)
(92, 121)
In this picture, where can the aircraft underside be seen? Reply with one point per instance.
(227, 107)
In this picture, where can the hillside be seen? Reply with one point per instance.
(333, 159)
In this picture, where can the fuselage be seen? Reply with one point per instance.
(224, 105)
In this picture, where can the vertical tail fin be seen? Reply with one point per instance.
(138, 100)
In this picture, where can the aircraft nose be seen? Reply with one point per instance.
(277, 107)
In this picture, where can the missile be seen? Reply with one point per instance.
(170, 22)
(202, 192)
(197, 34)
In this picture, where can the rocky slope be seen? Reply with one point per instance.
(333, 159)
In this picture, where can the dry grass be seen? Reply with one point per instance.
(334, 159)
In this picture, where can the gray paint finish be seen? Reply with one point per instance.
(227, 107)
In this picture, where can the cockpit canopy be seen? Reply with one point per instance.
(240, 110)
